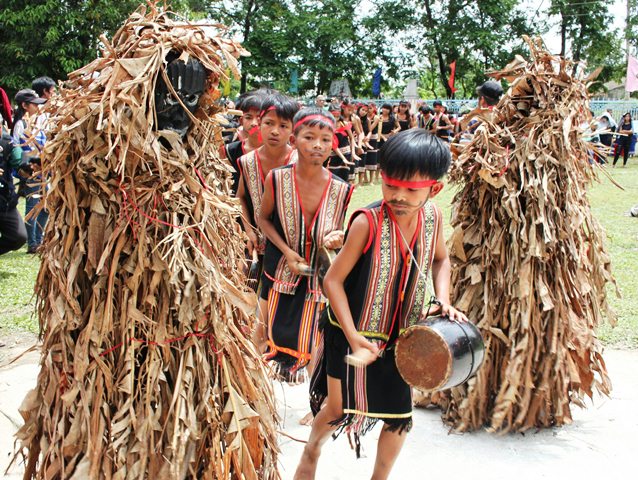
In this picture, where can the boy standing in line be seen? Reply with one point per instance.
(275, 128)
(303, 209)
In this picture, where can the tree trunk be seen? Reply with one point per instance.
(437, 48)
(578, 44)
(563, 33)
(246, 31)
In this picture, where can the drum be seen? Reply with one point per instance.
(438, 353)
(325, 257)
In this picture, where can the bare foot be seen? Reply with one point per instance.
(308, 464)
(307, 419)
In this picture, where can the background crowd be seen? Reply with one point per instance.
(362, 129)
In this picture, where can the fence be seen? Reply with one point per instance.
(598, 106)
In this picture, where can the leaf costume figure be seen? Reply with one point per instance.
(146, 368)
(528, 258)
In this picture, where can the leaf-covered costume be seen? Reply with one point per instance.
(529, 259)
(146, 371)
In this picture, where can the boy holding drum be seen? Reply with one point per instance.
(376, 288)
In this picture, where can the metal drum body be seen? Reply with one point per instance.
(437, 353)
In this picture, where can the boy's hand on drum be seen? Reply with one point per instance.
(334, 240)
(452, 313)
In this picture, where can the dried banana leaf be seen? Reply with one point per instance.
(529, 259)
(146, 369)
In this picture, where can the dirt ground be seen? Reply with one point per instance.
(601, 443)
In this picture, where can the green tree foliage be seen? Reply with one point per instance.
(479, 36)
(631, 28)
(260, 24)
(53, 37)
(324, 40)
(586, 34)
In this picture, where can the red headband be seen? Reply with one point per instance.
(394, 182)
(310, 118)
(264, 112)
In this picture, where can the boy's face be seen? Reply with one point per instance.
(404, 200)
(314, 144)
(250, 123)
(275, 131)
(48, 93)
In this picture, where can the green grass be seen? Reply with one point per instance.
(18, 270)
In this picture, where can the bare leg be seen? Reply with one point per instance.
(309, 418)
(259, 334)
(388, 448)
(321, 430)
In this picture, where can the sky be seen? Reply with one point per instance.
(552, 39)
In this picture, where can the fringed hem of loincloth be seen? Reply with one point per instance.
(356, 425)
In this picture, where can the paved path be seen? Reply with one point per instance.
(600, 444)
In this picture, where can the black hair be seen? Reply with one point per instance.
(284, 106)
(414, 152)
(327, 121)
(437, 103)
(18, 114)
(490, 101)
(249, 101)
(388, 107)
(425, 109)
(41, 84)
(253, 100)
(407, 104)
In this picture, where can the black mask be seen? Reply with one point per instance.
(188, 80)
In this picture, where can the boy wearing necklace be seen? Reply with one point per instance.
(275, 128)
(303, 209)
(376, 288)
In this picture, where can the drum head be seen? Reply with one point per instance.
(423, 358)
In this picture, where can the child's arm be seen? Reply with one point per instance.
(265, 224)
(245, 216)
(375, 124)
(336, 276)
(342, 157)
(334, 240)
(353, 145)
(441, 269)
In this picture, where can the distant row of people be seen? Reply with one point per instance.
(24, 134)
